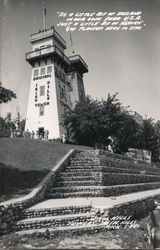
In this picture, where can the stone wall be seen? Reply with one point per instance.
(95, 222)
(115, 160)
(122, 189)
(35, 213)
(111, 162)
(11, 210)
(120, 178)
(49, 222)
(136, 209)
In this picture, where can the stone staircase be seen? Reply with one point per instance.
(88, 174)
(54, 217)
(85, 176)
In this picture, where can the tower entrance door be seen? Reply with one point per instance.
(41, 132)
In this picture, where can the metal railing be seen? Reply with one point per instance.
(45, 33)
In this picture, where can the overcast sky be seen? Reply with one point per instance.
(127, 62)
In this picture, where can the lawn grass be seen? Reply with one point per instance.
(27, 154)
(25, 162)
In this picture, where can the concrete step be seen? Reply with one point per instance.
(71, 183)
(73, 173)
(67, 230)
(125, 165)
(75, 177)
(80, 167)
(111, 162)
(60, 195)
(91, 161)
(78, 163)
(120, 206)
(113, 168)
(46, 212)
(125, 178)
(86, 153)
(52, 221)
(84, 158)
(76, 189)
(77, 172)
(107, 154)
(107, 179)
(97, 191)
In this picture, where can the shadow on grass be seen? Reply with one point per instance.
(15, 183)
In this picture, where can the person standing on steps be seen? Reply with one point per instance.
(109, 144)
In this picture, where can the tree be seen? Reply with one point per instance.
(6, 95)
(127, 134)
(6, 125)
(150, 138)
(81, 123)
(22, 124)
(2, 127)
(157, 132)
(93, 121)
(111, 117)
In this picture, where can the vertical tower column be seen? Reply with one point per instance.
(75, 78)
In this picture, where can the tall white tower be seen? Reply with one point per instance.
(56, 83)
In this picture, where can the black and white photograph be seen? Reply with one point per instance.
(79, 124)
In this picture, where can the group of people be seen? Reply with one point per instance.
(42, 135)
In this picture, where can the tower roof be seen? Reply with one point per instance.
(77, 63)
(48, 33)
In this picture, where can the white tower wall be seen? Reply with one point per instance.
(49, 120)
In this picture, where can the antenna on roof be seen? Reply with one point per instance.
(44, 16)
(71, 43)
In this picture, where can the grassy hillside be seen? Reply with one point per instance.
(24, 162)
(27, 154)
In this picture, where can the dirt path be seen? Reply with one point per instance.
(114, 239)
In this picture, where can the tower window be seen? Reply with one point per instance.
(60, 74)
(42, 71)
(36, 72)
(56, 72)
(41, 111)
(42, 90)
(49, 69)
(63, 77)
